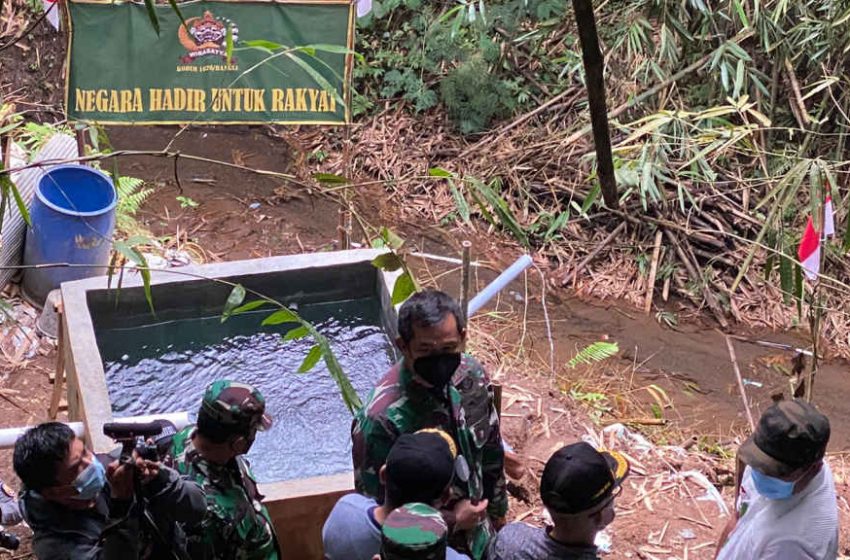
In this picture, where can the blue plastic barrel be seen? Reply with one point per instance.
(73, 217)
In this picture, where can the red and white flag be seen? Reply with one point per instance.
(828, 218)
(363, 7)
(52, 10)
(809, 251)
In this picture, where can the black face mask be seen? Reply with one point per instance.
(437, 369)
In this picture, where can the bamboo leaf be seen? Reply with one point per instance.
(403, 289)
(152, 15)
(311, 359)
(798, 291)
(133, 254)
(440, 172)
(264, 45)
(846, 245)
(234, 300)
(22, 206)
(176, 9)
(460, 202)
(330, 179)
(786, 278)
(349, 395)
(228, 53)
(296, 333)
(282, 315)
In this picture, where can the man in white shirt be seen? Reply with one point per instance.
(787, 508)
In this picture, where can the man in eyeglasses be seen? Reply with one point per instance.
(578, 487)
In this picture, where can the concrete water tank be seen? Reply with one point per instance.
(123, 360)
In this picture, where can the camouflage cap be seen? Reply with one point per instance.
(232, 403)
(414, 532)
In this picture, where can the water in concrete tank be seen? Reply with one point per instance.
(165, 367)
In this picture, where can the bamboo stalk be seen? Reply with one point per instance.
(597, 250)
(653, 270)
(595, 80)
(740, 381)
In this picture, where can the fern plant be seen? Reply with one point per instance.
(131, 196)
(596, 352)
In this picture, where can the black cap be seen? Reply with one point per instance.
(420, 466)
(577, 478)
(790, 435)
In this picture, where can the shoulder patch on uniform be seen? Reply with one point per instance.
(7, 490)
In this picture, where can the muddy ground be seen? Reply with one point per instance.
(240, 215)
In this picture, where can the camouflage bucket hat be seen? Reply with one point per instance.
(414, 532)
(232, 403)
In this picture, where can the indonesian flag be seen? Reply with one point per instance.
(828, 219)
(809, 251)
(52, 10)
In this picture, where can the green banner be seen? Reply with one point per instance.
(289, 62)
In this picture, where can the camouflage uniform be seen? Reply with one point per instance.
(399, 405)
(237, 526)
(414, 532)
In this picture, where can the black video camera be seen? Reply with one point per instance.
(9, 541)
(133, 437)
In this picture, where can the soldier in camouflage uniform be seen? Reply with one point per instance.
(414, 532)
(436, 386)
(237, 525)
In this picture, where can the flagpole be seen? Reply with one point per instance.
(815, 305)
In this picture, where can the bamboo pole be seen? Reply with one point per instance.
(740, 381)
(594, 66)
(653, 271)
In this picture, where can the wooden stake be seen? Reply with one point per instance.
(594, 66)
(740, 380)
(653, 271)
(464, 277)
(59, 377)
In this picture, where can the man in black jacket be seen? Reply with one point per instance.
(80, 509)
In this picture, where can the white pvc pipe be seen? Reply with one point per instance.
(498, 284)
(8, 436)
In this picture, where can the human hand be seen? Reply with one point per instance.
(120, 478)
(467, 515)
(148, 470)
(514, 465)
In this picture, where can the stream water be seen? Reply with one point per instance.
(165, 367)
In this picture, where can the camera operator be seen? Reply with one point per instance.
(80, 509)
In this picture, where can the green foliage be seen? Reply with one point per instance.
(320, 350)
(596, 352)
(473, 97)
(131, 195)
(477, 57)
(33, 136)
(405, 285)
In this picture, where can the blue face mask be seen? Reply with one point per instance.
(772, 488)
(90, 482)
